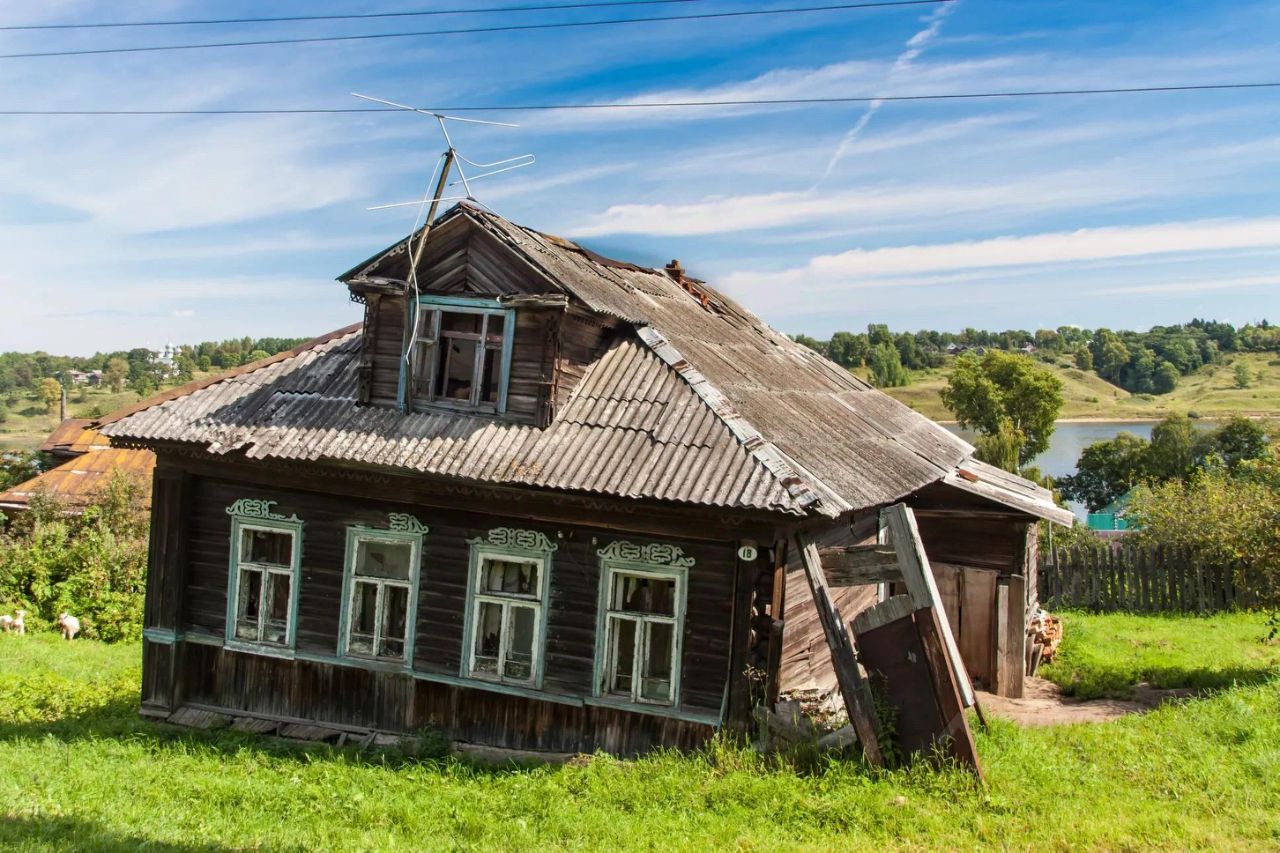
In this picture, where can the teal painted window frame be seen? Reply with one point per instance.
(609, 566)
(292, 526)
(462, 305)
(479, 551)
(356, 534)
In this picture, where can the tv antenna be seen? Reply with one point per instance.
(430, 203)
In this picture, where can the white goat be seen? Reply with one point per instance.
(70, 626)
(20, 622)
(6, 623)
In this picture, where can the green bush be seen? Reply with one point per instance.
(1226, 515)
(91, 564)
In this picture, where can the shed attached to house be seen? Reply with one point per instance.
(537, 499)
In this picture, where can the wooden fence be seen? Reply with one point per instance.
(1115, 577)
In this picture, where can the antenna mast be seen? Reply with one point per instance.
(451, 159)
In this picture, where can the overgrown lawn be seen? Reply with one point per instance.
(1107, 654)
(80, 770)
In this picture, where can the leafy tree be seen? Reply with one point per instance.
(1172, 453)
(1166, 378)
(1001, 391)
(1000, 448)
(847, 349)
(1084, 358)
(115, 374)
(50, 394)
(256, 355)
(1237, 441)
(1107, 470)
(878, 334)
(886, 367)
(1242, 375)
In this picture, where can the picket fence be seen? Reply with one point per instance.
(1117, 577)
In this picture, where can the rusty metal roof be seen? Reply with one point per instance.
(73, 437)
(705, 404)
(77, 481)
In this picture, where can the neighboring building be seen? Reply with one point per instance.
(86, 462)
(561, 523)
(1112, 517)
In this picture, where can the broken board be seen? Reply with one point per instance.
(905, 657)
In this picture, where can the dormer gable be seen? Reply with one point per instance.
(477, 331)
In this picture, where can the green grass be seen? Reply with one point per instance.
(84, 772)
(1210, 392)
(1105, 655)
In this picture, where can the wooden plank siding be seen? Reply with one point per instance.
(710, 630)
(806, 658)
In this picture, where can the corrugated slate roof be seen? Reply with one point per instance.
(706, 404)
(633, 428)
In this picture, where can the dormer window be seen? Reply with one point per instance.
(462, 354)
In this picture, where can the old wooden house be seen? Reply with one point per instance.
(538, 499)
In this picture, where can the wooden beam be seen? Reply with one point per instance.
(860, 564)
(918, 578)
(853, 687)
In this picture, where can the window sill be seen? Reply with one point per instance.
(282, 652)
(673, 712)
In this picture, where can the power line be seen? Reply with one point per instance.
(460, 31)
(350, 17)
(624, 105)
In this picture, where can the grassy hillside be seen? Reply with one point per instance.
(80, 770)
(28, 422)
(1210, 392)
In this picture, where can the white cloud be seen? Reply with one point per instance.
(829, 275)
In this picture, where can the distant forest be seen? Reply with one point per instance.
(140, 369)
(1148, 362)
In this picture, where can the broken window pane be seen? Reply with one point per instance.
(457, 321)
(248, 607)
(395, 616)
(364, 618)
(266, 547)
(510, 576)
(456, 370)
(276, 627)
(639, 594)
(492, 376)
(488, 637)
(519, 660)
(655, 679)
(622, 654)
(384, 559)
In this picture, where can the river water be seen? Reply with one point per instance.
(1070, 438)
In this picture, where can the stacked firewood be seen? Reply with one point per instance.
(1044, 635)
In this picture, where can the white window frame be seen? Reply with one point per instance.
(292, 528)
(508, 545)
(356, 535)
(426, 347)
(606, 639)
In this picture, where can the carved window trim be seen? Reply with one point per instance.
(507, 543)
(249, 514)
(659, 561)
(401, 528)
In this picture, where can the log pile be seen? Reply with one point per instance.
(1044, 635)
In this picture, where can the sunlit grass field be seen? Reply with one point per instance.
(1210, 393)
(80, 770)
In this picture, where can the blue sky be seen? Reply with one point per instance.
(1123, 211)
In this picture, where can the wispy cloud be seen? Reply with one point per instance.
(828, 275)
(915, 46)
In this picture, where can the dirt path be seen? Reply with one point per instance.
(1043, 704)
